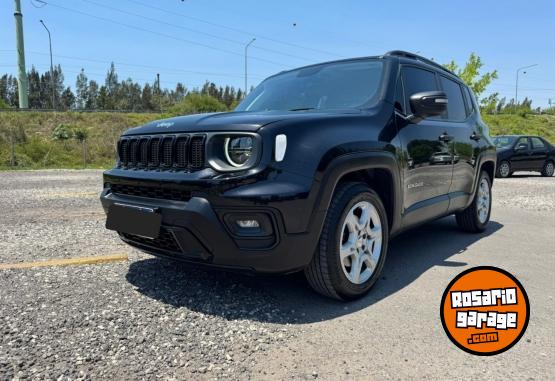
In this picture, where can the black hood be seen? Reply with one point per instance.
(227, 121)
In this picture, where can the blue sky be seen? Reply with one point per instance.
(194, 40)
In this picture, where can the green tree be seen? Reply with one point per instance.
(471, 75)
(92, 96)
(147, 98)
(112, 87)
(67, 99)
(102, 100)
(35, 94)
(81, 90)
(489, 104)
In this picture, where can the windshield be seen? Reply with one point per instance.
(503, 141)
(338, 85)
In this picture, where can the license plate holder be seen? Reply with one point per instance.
(133, 219)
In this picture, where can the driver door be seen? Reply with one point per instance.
(427, 151)
(521, 157)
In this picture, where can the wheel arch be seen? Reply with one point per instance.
(378, 169)
(489, 167)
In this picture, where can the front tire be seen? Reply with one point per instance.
(353, 245)
(504, 169)
(548, 169)
(475, 217)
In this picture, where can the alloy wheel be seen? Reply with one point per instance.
(504, 169)
(361, 242)
(484, 200)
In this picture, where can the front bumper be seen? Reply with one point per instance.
(197, 231)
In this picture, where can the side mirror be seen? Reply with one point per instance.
(427, 104)
(521, 147)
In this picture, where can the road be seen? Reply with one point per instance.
(149, 318)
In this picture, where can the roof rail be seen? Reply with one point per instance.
(402, 53)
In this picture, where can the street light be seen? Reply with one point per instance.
(516, 87)
(51, 67)
(246, 49)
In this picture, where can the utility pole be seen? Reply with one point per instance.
(23, 84)
(516, 87)
(159, 92)
(246, 74)
(51, 67)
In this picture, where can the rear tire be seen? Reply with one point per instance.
(475, 217)
(353, 245)
(548, 169)
(504, 169)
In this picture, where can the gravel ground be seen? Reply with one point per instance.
(145, 319)
(52, 214)
(153, 319)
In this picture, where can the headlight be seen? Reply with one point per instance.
(238, 150)
(233, 151)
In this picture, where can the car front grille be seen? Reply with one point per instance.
(151, 192)
(180, 152)
(165, 241)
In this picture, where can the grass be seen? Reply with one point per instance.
(36, 148)
(507, 124)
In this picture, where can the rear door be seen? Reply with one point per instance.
(461, 125)
(538, 154)
(427, 152)
(521, 157)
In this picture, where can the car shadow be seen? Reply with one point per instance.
(288, 299)
(525, 175)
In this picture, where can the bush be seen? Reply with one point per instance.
(3, 104)
(195, 104)
(62, 132)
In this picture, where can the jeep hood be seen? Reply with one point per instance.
(228, 121)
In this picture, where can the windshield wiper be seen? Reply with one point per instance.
(302, 109)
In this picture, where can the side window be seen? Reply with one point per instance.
(416, 80)
(456, 108)
(537, 143)
(522, 142)
(468, 99)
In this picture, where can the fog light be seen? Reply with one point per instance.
(248, 224)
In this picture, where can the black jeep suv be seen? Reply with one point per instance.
(315, 170)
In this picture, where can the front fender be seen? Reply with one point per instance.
(353, 162)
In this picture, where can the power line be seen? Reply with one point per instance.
(164, 35)
(195, 30)
(258, 36)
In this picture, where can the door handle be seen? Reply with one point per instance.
(475, 136)
(445, 137)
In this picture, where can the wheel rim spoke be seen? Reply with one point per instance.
(347, 250)
(364, 217)
(356, 266)
(370, 262)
